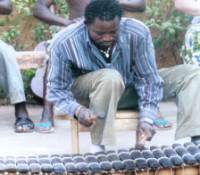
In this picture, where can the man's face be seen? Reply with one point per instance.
(104, 33)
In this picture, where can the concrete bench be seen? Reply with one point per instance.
(126, 120)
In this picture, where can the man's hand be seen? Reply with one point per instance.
(147, 129)
(77, 19)
(66, 22)
(86, 117)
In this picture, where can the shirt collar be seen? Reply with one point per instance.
(88, 40)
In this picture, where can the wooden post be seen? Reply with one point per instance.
(75, 136)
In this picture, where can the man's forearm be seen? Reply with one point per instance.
(62, 100)
(44, 11)
(5, 7)
(48, 17)
(191, 7)
(133, 5)
(52, 19)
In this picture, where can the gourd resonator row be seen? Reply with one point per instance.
(173, 160)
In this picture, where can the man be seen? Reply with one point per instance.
(190, 53)
(43, 11)
(11, 80)
(105, 62)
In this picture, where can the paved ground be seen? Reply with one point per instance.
(59, 142)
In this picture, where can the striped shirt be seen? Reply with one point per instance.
(73, 54)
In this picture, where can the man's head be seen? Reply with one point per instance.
(102, 18)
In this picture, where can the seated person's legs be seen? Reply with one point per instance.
(38, 85)
(46, 124)
(182, 82)
(100, 91)
(190, 53)
(11, 81)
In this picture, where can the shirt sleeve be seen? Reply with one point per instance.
(59, 81)
(148, 83)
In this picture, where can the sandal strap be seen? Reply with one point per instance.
(44, 124)
(22, 121)
(161, 122)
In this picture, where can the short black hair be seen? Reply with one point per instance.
(105, 10)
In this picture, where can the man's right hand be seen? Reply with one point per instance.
(86, 117)
(147, 129)
(67, 22)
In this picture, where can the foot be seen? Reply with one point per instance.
(97, 148)
(44, 127)
(161, 123)
(46, 124)
(22, 123)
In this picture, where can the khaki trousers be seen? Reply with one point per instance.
(10, 77)
(100, 91)
(182, 82)
(104, 91)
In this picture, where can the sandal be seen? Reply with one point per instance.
(161, 123)
(44, 127)
(24, 124)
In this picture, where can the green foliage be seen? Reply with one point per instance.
(11, 36)
(13, 23)
(61, 8)
(40, 32)
(168, 24)
(24, 7)
(17, 23)
(27, 76)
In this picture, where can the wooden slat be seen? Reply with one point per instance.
(30, 59)
(126, 124)
(63, 117)
(121, 114)
(120, 125)
(127, 114)
(125, 120)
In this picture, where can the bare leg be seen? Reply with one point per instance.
(47, 114)
(47, 122)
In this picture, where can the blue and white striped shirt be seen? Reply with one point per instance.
(73, 54)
